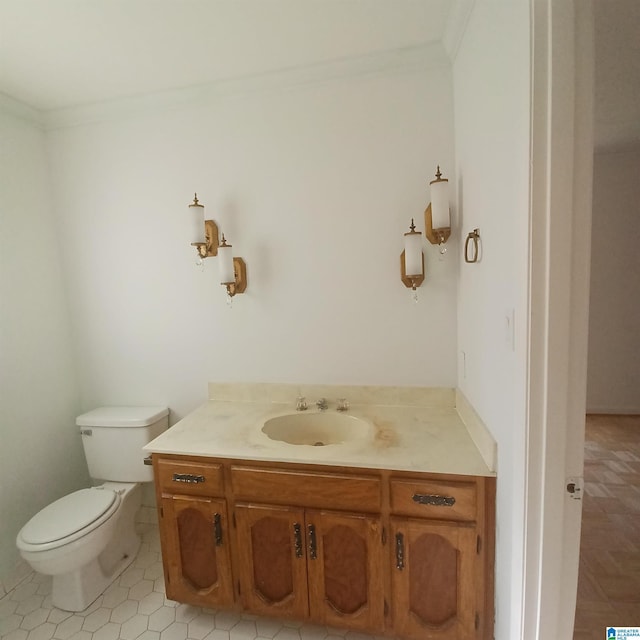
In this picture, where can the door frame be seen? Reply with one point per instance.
(560, 244)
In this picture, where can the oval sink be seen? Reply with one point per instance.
(316, 429)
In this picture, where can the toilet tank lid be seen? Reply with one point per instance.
(121, 416)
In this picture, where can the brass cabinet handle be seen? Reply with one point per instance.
(217, 529)
(399, 551)
(313, 547)
(189, 478)
(437, 501)
(297, 539)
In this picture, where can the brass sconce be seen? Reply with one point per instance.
(208, 248)
(412, 260)
(233, 270)
(437, 217)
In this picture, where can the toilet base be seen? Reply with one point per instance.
(76, 590)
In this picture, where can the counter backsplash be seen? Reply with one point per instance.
(377, 395)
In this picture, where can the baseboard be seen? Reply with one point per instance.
(614, 411)
(20, 571)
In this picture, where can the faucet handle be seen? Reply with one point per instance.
(301, 403)
(343, 404)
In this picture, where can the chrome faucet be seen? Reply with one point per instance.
(322, 404)
(301, 403)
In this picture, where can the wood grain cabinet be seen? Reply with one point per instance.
(404, 554)
(320, 565)
(302, 556)
(194, 533)
(440, 575)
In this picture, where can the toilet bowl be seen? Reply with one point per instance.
(86, 539)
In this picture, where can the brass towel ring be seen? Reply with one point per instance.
(473, 236)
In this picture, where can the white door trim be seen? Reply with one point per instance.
(560, 225)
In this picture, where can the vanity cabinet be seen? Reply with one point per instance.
(304, 558)
(403, 554)
(440, 572)
(320, 565)
(194, 533)
(272, 573)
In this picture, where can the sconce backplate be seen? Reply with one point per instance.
(240, 270)
(211, 237)
(410, 282)
(434, 236)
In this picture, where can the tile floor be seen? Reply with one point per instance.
(135, 607)
(609, 579)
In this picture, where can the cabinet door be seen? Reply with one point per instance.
(272, 560)
(433, 593)
(345, 564)
(196, 550)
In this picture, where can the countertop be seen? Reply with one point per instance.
(403, 438)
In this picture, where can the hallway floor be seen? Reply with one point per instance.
(609, 579)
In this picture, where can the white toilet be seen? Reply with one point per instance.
(87, 538)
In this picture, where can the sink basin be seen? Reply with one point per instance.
(317, 429)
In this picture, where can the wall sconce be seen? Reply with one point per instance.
(202, 229)
(233, 271)
(437, 218)
(412, 260)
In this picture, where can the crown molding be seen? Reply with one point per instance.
(21, 110)
(457, 21)
(406, 60)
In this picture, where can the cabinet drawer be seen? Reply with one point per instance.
(434, 499)
(306, 489)
(193, 478)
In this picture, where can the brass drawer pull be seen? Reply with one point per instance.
(437, 501)
(313, 545)
(399, 551)
(297, 539)
(189, 478)
(217, 529)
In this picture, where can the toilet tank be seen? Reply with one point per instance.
(113, 438)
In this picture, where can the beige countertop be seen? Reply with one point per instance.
(400, 437)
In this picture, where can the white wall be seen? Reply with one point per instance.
(40, 452)
(491, 105)
(314, 185)
(614, 311)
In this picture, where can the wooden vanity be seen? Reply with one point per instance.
(401, 553)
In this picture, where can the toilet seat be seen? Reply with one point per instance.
(69, 518)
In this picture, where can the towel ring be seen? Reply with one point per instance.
(474, 236)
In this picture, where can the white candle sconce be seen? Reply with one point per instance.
(205, 238)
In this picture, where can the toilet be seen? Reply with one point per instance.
(86, 539)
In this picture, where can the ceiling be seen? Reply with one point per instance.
(62, 53)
